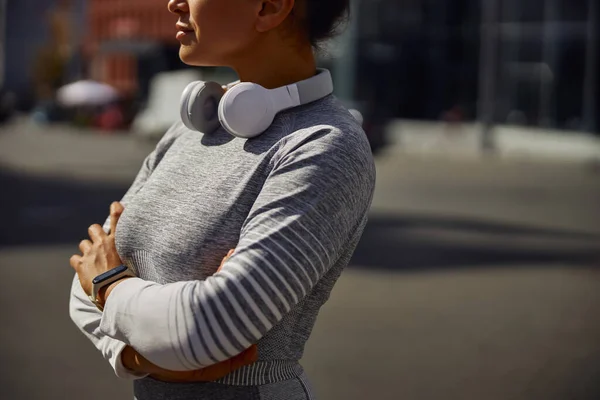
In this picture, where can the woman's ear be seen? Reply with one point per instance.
(273, 13)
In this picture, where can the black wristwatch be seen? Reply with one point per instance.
(106, 279)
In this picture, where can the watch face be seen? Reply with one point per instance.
(109, 274)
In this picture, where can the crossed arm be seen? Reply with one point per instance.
(127, 362)
(310, 206)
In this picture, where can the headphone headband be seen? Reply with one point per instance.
(246, 109)
(315, 87)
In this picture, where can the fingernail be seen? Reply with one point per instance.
(114, 207)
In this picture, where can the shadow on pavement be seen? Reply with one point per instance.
(426, 242)
(43, 211)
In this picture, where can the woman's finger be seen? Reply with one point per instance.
(96, 232)
(75, 261)
(229, 254)
(85, 245)
(116, 209)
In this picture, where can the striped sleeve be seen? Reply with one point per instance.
(311, 205)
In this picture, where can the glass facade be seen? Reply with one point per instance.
(531, 62)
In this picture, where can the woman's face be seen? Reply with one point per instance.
(215, 32)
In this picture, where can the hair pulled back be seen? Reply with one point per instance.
(324, 18)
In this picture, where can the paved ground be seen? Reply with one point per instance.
(476, 279)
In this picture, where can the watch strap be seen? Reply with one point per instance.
(107, 279)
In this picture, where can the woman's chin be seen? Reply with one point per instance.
(187, 55)
(192, 57)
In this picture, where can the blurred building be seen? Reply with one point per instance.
(27, 31)
(533, 62)
(423, 59)
(3, 19)
(130, 41)
(123, 43)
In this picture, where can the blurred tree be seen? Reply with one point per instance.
(52, 59)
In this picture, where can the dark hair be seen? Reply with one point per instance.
(323, 18)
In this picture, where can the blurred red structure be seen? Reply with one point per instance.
(119, 31)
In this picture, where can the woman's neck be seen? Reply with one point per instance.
(273, 69)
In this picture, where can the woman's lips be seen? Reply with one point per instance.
(183, 31)
(182, 34)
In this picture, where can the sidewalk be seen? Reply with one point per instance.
(510, 142)
(81, 154)
(68, 152)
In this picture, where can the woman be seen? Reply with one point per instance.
(292, 201)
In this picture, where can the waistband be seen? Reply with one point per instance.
(264, 373)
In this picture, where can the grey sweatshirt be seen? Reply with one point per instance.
(293, 203)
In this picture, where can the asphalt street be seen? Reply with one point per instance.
(475, 279)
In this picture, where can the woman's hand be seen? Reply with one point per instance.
(134, 362)
(98, 254)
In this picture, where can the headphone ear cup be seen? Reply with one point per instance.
(246, 111)
(200, 110)
(184, 104)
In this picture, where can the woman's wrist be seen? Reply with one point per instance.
(106, 291)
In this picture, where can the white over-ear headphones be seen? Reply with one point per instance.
(246, 109)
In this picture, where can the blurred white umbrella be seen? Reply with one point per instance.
(86, 93)
(163, 102)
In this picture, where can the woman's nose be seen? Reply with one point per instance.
(178, 7)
